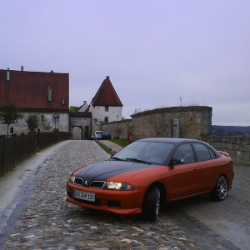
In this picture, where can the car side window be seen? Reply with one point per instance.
(212, 153)
(202, 152)
(185, 151)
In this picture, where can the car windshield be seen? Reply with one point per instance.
(145, 152)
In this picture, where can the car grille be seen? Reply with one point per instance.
(97, 184)
(86, 183)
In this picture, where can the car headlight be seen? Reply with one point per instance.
(118, 186)
(72, 179)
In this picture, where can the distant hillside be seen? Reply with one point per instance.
(231, 131)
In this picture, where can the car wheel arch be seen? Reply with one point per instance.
(151, 202)
(161, 188)
(221, 174)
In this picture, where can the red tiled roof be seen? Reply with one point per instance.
(29, 90)
(106, 95)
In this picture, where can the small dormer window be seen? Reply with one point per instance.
(63, 100)
(50, 94)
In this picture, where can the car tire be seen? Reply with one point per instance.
(220, 191)
(151, 204)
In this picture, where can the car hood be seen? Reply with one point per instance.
(102, 171)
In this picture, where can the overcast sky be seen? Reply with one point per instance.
(158, 53)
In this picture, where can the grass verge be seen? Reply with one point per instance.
(104, 147)
(121, 142)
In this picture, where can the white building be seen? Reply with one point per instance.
(106, 106)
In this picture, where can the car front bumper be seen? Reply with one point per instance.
(119, 202)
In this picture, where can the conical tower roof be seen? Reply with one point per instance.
(106, 95)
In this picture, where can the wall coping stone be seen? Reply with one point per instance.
(172, 110)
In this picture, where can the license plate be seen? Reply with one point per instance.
(84, 195)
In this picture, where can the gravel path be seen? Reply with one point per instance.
(48, 222)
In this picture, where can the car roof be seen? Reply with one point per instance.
(175, 141)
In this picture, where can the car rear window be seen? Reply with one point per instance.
(203, 152)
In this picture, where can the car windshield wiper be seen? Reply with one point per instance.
(118, 159)
(137, 160)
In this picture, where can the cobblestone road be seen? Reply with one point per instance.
(48, 222)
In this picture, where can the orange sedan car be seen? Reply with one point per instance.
(149, 172)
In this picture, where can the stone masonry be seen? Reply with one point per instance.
(194, 121)
(118, 129)
(238, 148)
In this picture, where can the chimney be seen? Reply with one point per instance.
(8, 75)
(107, 77)
(22, 68)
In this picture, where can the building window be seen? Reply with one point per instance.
(106, 119)
(42, 118)
(106, 108)
(11, 130)
(63, 100)
(50, 94)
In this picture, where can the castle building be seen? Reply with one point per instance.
(105, 107)
(45, 95)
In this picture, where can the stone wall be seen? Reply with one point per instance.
(238, 148)
(118, 129)
(193, 122)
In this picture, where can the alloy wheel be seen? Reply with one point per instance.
(222, 188)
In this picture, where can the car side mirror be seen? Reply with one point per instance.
(112, 154)
(177, 161)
